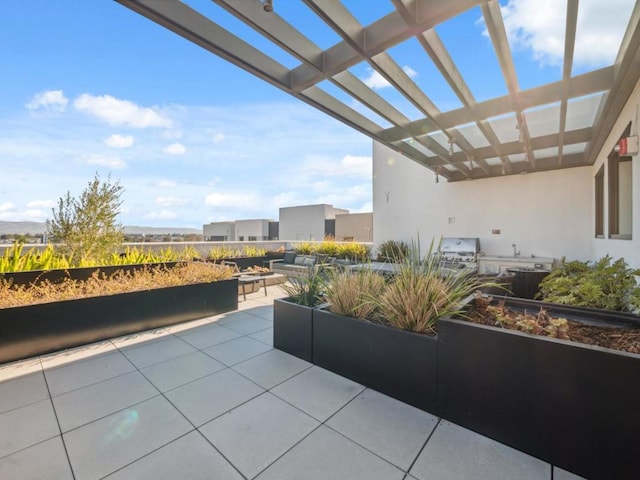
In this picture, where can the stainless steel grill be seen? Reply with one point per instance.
(456, 254)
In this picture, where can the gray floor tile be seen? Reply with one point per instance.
(247, 324)
(159, 351)
(102, 447)
(203, 337)
(9, 371)
(44, 460)
(263, 311)
(21, 391)
(190, 457)
(389, 428)
(318, 392)
(77, 354)
(264, 336)
(26, 426)
(326, 454)
(181, 370)
(237, 350)
(86, 372)
(211, 396)
(559, 474)
(455, 453)
(256, 433)
(87, 404)
(271, 368)
(141, 338)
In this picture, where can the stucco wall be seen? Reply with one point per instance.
(219, 229)
(359, 226)
(629, 249)
(258, 228)
(546, 214)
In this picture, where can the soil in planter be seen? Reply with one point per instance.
(625, 339)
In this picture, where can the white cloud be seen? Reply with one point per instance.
(376, 81)
(350, 165)
(175, 149)
(539, 26)
(120, 112)
(166, 184)
(50, 99)
(170, 201)
(41, 204)
(218, 137)
(6, 206)
(238, 200)
(119, 141)
(111, 161)
(161, 215)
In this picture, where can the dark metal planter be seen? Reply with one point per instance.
(38, 329)
(80, 274)
(395, 362)
(573, 405)
(292, 328)
(245, 262)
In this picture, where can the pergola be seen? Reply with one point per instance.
(480, 139)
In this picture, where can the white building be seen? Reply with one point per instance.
(308, 222)
(219, 232)
(252, 230)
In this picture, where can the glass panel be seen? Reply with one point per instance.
(505, 128)
(581, 111)
(544, 120)
(474, 136)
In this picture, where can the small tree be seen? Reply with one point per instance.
(85, 228)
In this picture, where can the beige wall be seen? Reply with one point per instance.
(355, 226)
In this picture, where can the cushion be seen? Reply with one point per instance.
(289, 257)
(309, 261)
(300, 259)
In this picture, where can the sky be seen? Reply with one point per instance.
(89, 86)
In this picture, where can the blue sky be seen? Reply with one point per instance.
(90, 86)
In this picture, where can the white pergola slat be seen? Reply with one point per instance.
(416, 139)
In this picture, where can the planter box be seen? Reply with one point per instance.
(38, 329)
(245, 262)
(81, 274)
(395, 362)
(292, 328)
(573, 405)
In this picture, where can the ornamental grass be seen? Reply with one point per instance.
(99, 284)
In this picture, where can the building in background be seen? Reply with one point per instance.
(219, 232)
(308, 222)
(354, 227)
(252, 230)
(300, 223)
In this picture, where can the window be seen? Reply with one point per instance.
(620, 194)
(241, 238)
(600, 203)
(252, 238)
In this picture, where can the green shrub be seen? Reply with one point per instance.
(308, 289)
(393, 251)
(603, 284)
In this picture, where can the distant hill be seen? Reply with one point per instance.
(40, 227)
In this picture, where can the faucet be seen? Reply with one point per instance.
(515, 253)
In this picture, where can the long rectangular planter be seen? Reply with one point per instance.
(38, 329)
(395, 362)
(575, 406)
(292, 328)
(80, 273)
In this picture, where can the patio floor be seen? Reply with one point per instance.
(213, 399)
